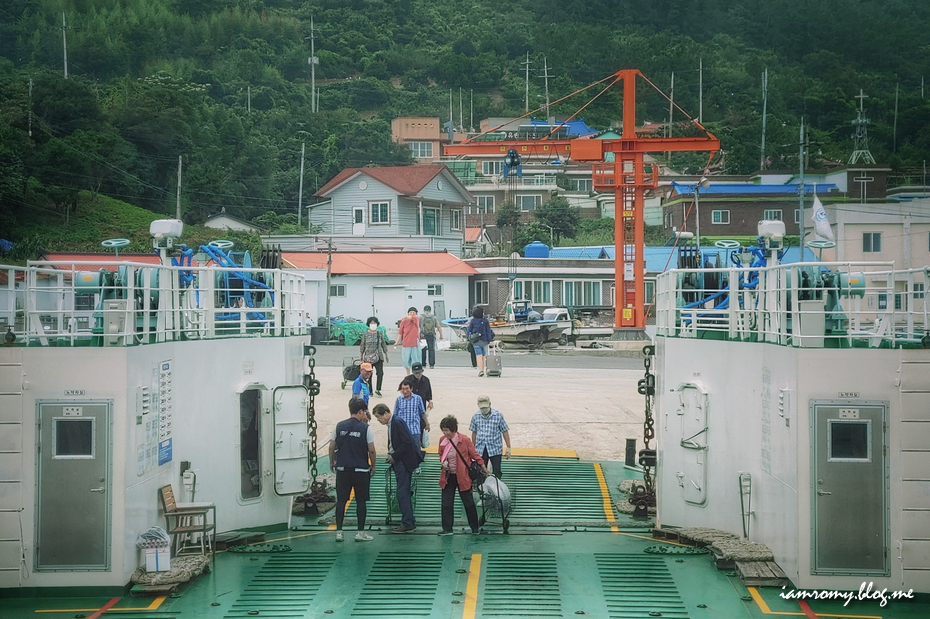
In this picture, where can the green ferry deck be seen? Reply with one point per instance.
(567, 553)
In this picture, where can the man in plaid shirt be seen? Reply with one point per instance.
(487, 427)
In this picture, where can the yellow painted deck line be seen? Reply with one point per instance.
(766, 610)
(153, 606)
(605, 493)
(528, 452)
(471, 589)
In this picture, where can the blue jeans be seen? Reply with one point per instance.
(403, 478)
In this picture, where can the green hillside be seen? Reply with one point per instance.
(225, 87)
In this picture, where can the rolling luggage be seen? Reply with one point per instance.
(493, 365)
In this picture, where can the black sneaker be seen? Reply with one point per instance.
(378, 393)
(404, 529)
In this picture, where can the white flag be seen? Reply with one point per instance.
(821, 223)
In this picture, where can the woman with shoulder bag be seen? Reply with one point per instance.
(373, 349)
(459, 461)
(479, 335)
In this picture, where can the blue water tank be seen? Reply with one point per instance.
(536, 249)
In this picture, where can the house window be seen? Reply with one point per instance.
(83, 302)
(882, 301)
(583, 184)
(797, 216)
(871, 242)
(772, 214)
(481, 293)
(650, 287)
(720, 217)
(577, 293)
(421, 150)
(484, 204)
(337, 290)
(456, 220)
(918, 290)
(537, 291)
(528, 203)
(434, 290)
(898, 301)
(379, 212)
(431, 221)
(490, 168)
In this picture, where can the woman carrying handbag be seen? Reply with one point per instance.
(459, 461)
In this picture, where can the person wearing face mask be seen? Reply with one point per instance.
(487, 427)
(373, 349)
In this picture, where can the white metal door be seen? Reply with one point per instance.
(291, 454)
(692, 478)
(849, 492)
(358, 221)
(73, 514)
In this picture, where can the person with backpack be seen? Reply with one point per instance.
(429, 324)
(479, 333)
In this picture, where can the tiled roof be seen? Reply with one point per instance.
(405, 180)
(472, 234)
(381, 263)
(97, 259)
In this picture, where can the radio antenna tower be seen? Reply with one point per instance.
(861, 134)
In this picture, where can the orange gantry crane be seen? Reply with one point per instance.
(628, 176)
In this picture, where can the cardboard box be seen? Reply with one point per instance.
(157, 559)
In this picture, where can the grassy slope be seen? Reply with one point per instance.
(101, 218)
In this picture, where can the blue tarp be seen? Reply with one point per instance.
(731, 189)
(571, 127)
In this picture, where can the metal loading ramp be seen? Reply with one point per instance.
(546, 492)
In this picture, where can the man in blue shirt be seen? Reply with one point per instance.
(487, 428)
(362, 386)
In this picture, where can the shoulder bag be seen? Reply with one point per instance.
(474, 469)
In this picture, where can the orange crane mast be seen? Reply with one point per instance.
(628, 176)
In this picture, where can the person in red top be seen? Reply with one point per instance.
(408, 335)
(456, 452)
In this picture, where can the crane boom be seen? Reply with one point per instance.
(628, 176)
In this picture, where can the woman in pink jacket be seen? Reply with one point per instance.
(456, 453)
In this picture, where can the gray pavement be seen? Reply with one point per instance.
(584, 402)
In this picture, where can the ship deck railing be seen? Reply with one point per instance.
(88, 303)
(806, 305)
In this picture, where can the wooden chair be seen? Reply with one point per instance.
(184, 521)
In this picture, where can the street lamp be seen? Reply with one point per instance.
(702, 184)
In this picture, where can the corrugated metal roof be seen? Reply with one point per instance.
(472, 234)
(659, 259)
(726, 189)
(382, 263)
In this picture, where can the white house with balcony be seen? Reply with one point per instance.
(395, 208)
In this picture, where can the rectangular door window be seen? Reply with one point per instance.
(73, 438)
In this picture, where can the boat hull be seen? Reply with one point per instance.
(526, 333)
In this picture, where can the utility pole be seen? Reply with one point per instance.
(471, 123)
(671, 105)
(313, 61)
(248, 95)
(30, 107)
(701, 90)
(546, 76)
(451, 117)
(526, 97)
(894, 139)
(801, 186)
(329, 271)
(64, 41)
(300, 192)
(461, 119)
(178, 216)
(765, 100)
